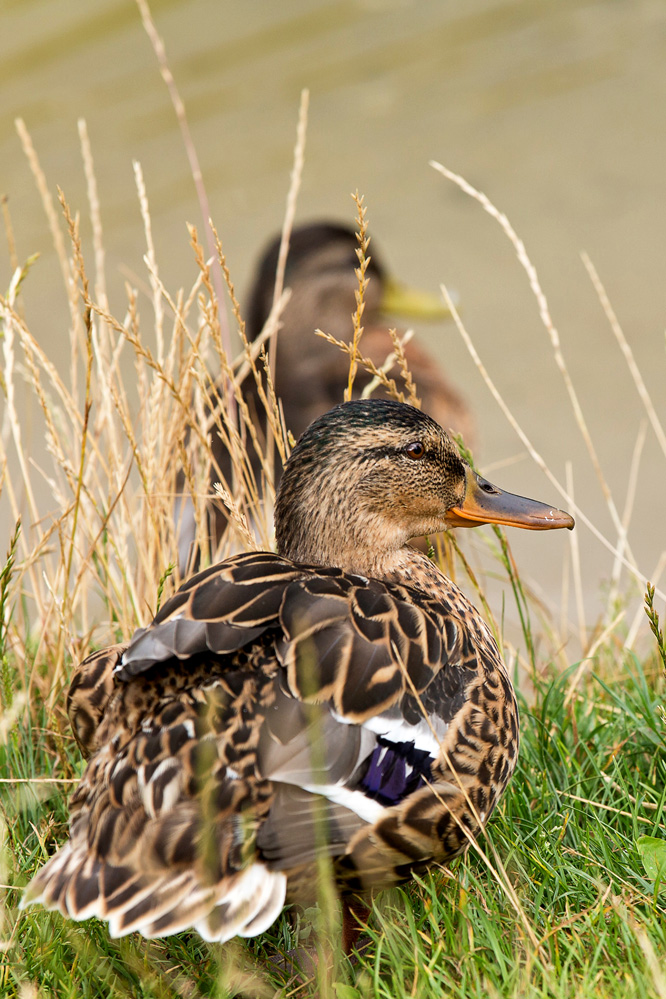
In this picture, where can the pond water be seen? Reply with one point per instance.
(554, 108)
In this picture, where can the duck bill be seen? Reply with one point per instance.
(410, 303)
(485, 503)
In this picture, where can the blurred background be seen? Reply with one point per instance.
(555, 109)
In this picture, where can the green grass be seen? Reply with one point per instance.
(590, 781)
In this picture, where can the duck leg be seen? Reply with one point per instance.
(355, 912)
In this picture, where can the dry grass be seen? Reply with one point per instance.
(618, 547)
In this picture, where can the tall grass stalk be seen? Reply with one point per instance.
(620, 549)
(554, 902)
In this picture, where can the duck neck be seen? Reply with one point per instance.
(327, 544)
(411, 567)
(397, 564)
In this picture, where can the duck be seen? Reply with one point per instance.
(311, 375)
(339, 698)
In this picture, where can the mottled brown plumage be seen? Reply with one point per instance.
(339, 697)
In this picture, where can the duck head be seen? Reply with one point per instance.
(370, 474)
(321, 273)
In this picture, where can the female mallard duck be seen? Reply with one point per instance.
(340, 697)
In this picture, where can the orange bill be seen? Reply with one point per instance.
(485, 503)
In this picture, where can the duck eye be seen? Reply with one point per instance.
(415, 450)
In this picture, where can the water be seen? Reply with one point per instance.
(554, 109)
